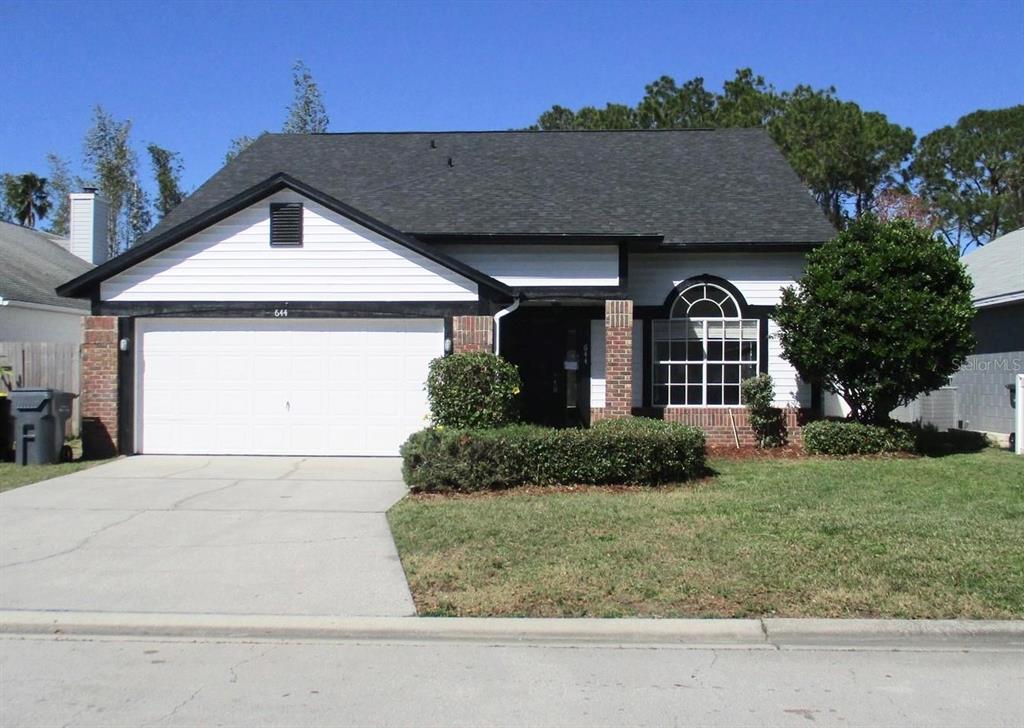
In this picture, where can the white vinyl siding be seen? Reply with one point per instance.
(281, 387)
(760, 277)
(790, 390)
(339, 260)
(26, 322)
(543, 265)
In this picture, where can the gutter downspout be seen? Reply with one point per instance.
(497, 324)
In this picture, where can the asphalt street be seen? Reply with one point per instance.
(139, 681)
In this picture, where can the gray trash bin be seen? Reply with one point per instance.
(39, 419)
(6, 428)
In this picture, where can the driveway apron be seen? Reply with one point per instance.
(212, 535)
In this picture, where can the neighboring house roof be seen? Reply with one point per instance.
(33, 264)
(998, 270)
(694, 187)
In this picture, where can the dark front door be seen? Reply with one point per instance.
(552, 357)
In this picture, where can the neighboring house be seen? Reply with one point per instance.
(32, 265)
(981, 385)
(291, 304)
(40, 331)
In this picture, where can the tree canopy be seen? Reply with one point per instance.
(971, 173)
(113, 164)
(845, 155)
(882, 314)
(62, 183)
(307, 114)
(27, 197)
(167, 171)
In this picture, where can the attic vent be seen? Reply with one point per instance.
(286, 223)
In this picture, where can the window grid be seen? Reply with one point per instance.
(701, 360)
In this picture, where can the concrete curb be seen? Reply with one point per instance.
(745, 633)
(908, 633)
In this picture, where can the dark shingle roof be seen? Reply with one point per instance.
(33, 264)
(692, 186)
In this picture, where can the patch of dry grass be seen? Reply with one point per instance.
(928, 537)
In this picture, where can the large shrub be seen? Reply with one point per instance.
(766, 420)
(843, 437)
(628, 451)
(882, 314)
(473, 390)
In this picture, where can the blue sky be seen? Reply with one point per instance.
(192, 75)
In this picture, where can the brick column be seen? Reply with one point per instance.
(472, 333)
(618, 336)
(99, 387)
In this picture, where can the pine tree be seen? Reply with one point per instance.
(307, 114)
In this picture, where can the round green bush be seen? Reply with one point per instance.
(881, 314)
(473, 390)
(846, 437)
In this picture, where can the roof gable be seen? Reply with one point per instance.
(335, 259)
(160, 241)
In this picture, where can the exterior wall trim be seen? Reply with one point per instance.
(272, 309)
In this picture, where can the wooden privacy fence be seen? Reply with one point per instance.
(45, 364)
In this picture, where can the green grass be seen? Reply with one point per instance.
(927, 538)
(15, 476)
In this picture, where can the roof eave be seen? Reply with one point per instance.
(739, 247)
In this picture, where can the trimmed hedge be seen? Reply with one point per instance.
(630, 451)
(473, 389)
(846, 437)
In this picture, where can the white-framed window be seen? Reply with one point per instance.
(703, 350)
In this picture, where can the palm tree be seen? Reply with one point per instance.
(27, 196)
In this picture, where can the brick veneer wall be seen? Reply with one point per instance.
(618, 362)
(472, 333)
(99, 387)
(718, 425)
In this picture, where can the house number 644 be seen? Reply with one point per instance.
(280, 313)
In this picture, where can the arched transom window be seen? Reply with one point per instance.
(704, 349)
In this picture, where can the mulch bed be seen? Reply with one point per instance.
(750, 452)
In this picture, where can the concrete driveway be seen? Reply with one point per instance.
(217, 535)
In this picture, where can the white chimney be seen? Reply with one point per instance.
(88, 225)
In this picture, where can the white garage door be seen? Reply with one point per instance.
(281, 387)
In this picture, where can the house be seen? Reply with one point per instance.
(34, 264)
(40, 332)
(983, 384)
(291, 305)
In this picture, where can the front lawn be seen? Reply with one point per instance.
(928, 538)
(13, 476)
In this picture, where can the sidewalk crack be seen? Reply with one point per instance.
(76, 547)
(174, 506)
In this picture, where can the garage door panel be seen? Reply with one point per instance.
(258, 386)
(267, 401)
(270, 368)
